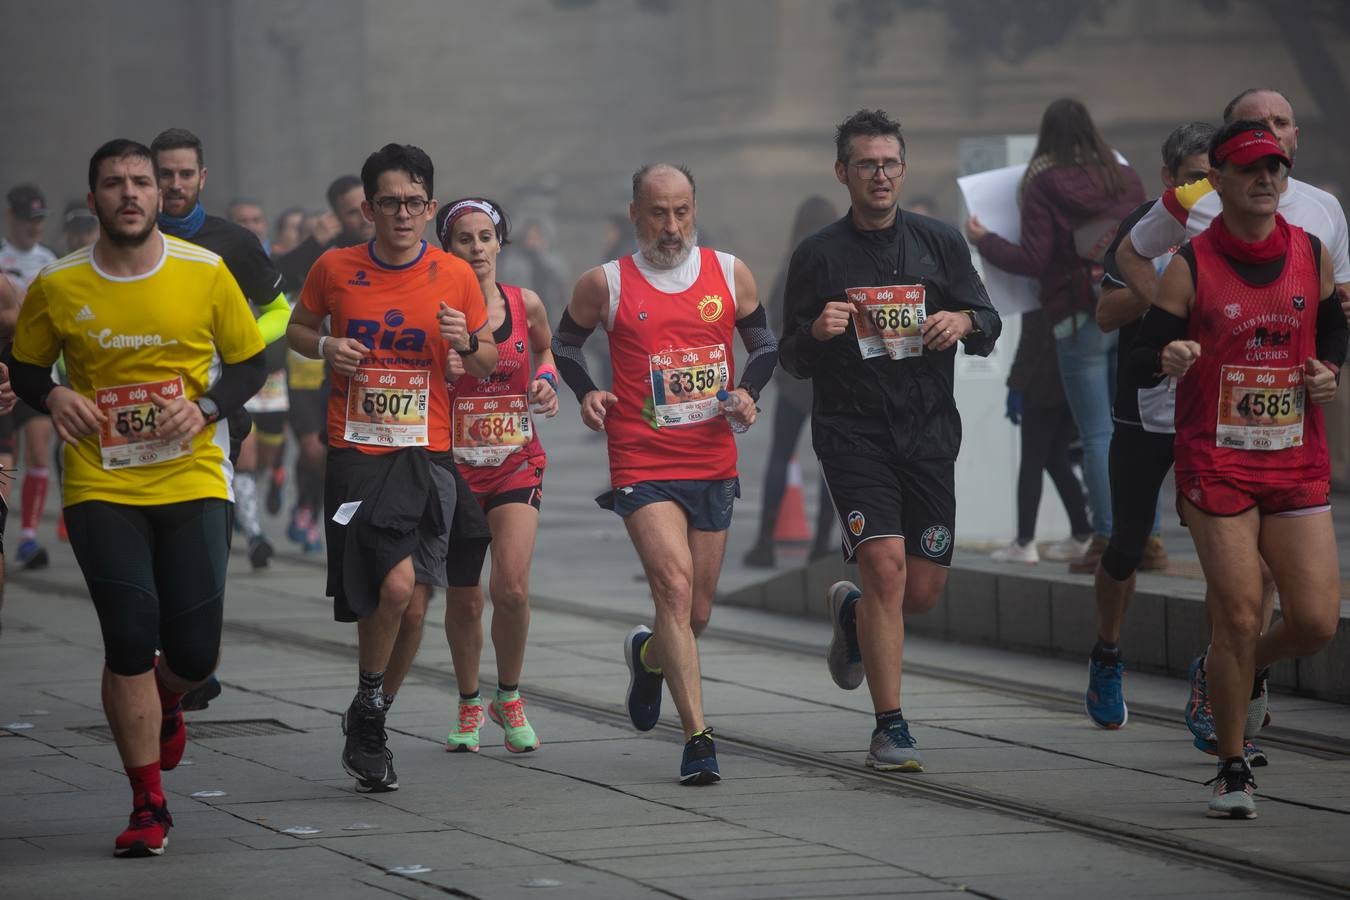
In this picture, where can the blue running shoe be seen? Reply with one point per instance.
(32, 555)
(1105, 701)
(1199, 715)
(699, 766)
(844, 657)
(644, 688)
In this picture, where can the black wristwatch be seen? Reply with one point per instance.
(751, 390)
(974, 326)
(210, 409)
(472, 348)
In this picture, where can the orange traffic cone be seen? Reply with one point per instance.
(791, 527)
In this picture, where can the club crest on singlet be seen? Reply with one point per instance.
(710, 308)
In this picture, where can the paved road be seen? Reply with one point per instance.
(1022, 797)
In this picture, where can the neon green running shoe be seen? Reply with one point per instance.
(508, 711)
(464, 739)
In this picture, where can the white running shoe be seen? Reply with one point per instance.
(1015, 552)
(1067, 549)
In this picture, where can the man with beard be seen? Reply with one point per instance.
(670, 310)
(179, 164)
(874, 307)
(144, 320)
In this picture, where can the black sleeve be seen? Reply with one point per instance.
(968, 293)
(1112, 276)
(31, 382)
(568, 339)
(1333, 335)
(296, 264)
(249, 264)
(1158, 328)
(238, 382)
(798, 351)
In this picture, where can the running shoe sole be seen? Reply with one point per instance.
(1233, 812)
(701, 778)
(912, 765)
(460, 748)
(140, 850)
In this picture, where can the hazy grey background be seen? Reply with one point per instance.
(549, 105)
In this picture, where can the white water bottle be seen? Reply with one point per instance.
(730, 403)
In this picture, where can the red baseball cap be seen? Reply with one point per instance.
(1247, 147)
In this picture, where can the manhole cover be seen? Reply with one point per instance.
(205, 731)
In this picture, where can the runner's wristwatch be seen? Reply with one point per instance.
(471, 349)
(210, 409)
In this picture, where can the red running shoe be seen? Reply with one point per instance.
(148, 832)
(172, 738)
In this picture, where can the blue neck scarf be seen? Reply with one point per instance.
(185, 227)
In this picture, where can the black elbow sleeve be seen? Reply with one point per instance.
(1143, 365)
(1333, 335)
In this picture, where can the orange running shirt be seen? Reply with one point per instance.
(398, 396)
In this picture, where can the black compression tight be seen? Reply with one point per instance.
(156, 575)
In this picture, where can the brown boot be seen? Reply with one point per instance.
(1155, 556)
(1087, 563)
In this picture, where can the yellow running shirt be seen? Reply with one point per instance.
(163, 332)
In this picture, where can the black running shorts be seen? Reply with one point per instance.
(309, 411)
(914, 500)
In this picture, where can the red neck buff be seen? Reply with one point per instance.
(1271, 248)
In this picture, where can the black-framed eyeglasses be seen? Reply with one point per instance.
(889, 168)
(389, 206)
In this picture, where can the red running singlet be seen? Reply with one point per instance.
(1242, 411)
(671, 353)
(491, 430)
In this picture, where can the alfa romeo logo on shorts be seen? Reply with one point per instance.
(935, 541)
(856, 523)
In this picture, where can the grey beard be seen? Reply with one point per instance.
(664, 259)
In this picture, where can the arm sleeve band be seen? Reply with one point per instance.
(30, 381)
(761, 351)
(569, 358)
(1158, 329)
(238, 382)
(273, 318)
(1333, 335)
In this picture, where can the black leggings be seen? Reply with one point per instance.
(787, 427)
(1046, 435)
(1139, 463)
(156, 575)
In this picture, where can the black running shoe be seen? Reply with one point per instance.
(259, 551)
(276, 487)
(201, 696)
(644, 688)
(699, 766)
(366, 755)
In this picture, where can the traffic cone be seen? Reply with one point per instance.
(791, 527)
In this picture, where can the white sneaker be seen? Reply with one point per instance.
(1067, 549)
(1015, 552)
